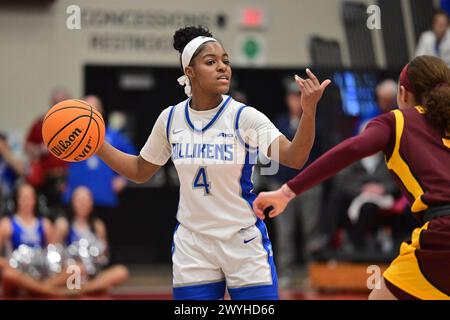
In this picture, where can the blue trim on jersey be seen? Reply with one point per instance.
(238, 134)
(173, 236)
(261, 292)
(169, 120)
(246, 179)
(207, 291)
(246, 175)
(186, 113)
(18, 232)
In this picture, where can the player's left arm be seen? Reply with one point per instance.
(295, 153)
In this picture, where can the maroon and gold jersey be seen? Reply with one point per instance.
(420, 159)
(415, 152)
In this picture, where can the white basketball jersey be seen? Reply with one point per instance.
(213, 162)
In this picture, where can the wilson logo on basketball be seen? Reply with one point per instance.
(63, 145)
(86, 151)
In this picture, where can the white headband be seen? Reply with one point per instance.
(186, 57)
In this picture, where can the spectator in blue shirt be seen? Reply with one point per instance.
(104, 184)
(10, 169)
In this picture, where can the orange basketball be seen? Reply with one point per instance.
(73, 130)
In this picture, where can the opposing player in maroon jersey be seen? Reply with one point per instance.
(416, 142)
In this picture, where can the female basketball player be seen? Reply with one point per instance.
(212, 140)
(416, 142)
(83, 225)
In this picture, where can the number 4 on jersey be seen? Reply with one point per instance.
(201, 180)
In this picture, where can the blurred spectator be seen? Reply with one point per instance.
(386, 98)
(82, 225)
(363, 198)
(28, 240)
(46, 172)
(303, 210)
(436, 42)
(24, 228)
(10, 169)
(386, 92)
(101, 180)
(367, 175)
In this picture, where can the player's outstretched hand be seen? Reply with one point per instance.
(311, 90)
(275, 200)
